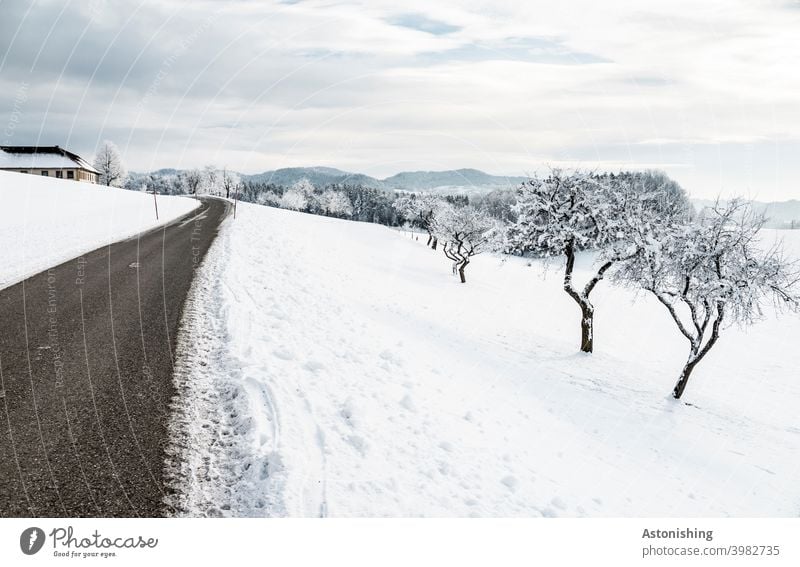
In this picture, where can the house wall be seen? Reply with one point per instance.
(78, 174)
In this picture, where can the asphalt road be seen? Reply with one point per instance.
(86, 355)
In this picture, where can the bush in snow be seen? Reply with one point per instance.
(465, 232)
(712, 272)
(565, 213)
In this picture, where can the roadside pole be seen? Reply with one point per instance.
(155, 202)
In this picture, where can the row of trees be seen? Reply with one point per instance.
(206, 181)
(463, 230)
(709, 269)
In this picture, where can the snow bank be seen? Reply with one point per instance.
(46, 221)
(343, 371)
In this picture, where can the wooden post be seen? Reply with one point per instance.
(155, 203)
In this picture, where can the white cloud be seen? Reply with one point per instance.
(503, 86)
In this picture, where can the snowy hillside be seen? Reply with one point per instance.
(343, 371)
(46, 221)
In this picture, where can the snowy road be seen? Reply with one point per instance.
(86, 359)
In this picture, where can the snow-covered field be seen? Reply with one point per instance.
(337, 368)
(46, 221)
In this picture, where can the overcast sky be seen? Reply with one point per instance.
(709, 94)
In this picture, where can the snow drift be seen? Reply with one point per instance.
(46, 221)
(337, 368)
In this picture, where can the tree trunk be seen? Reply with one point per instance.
(430, 239)
(461, 268)
(680, 386)
(587, 327)
(587, 309)
(435, 242)
(696, 354)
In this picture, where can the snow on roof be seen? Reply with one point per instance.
(33, 157)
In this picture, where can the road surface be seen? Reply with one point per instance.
(86, 355)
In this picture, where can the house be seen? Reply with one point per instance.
(48, 162)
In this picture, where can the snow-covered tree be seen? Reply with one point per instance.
(465, 232)
(294, 200)
(420, 210)
(712, 272)
(230, 182)
(300, 197)
(269, 198)
(108, 162)
(304, 186)
(192, 180)
(498, 203)
(210, 182)
(569, 212)
(337, 204)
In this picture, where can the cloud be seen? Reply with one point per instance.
(423, 23)
(707, 91)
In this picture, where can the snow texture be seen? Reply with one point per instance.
(334, 368)
(36, 161)
(46, 221)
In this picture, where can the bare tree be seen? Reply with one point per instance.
(465, 232)
(559, 216)
(230, 182)
(711, 272)
(192, 179)
(566, 213)
(420, 210)
(210, 180)
(109, 163)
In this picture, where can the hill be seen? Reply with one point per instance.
(459, 178)
(45, 221)
(780, 214)
(362, 380)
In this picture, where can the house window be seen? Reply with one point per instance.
(70, 175)
(45, 173)
(23, 171)
(59, 174)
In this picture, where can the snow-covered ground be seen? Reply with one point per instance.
(337, 368)
(45, 221)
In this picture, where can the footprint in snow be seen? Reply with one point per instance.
(283, 354)
(313, 366)
(446, 446)
(510, 482)
(408, 403)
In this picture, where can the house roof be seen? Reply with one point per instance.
(41, 157)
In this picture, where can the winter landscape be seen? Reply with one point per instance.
(332, 367)
(357, 261)
(372, 383)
